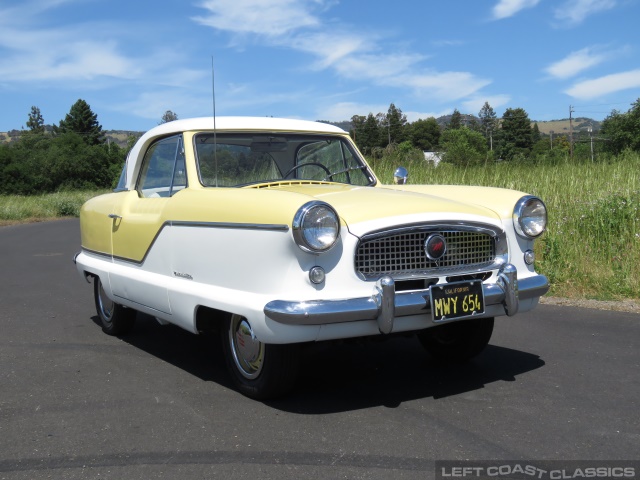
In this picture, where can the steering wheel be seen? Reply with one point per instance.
(315, 164)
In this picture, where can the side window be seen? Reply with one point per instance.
(122, 182)
(163, 169)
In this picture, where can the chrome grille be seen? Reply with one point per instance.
(402, 254)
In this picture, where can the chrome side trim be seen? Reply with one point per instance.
(180, 223)
(378, 306)
(237, 226)
(429, 227)
(93, 252)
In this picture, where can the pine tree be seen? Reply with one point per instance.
(535, 134)
(396, 121)
(456, 120)
(35, 123)
(369, 135)
(488, 123)
(83, 121)
(516, 138)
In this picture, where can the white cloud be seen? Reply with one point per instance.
(82, 55)
(447, 43)
(413, 116)
(272, 18)
(444, 86)
(575, 63)
(508, 8)
(575, 11)
(599, 87)
(474, 105)
(345, 110)
(352, 55)
(330, 47)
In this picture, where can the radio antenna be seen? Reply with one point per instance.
(215, 140)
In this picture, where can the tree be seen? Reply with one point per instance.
(83, 121)
(357, 124)
(463, 146)
(516, 139)
(396, 121)
(168, 116)
(488, 122)
(425, 134)
(369, 136)
(456, 120)
(535, 134)
(35, 123)
(622, 130)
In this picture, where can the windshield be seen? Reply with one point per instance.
(238, 159)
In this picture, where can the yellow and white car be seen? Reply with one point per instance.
(276, 232)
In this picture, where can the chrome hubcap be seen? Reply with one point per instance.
(248, 352)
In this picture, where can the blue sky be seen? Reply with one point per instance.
(316, 59)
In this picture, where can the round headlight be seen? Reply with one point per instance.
(316, 227)
(530, 217)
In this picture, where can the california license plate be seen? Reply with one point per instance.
(456, 300)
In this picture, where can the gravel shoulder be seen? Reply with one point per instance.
(630, 306)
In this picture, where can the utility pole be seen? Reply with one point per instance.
(551, 139)
(570, 132)
(591, 137)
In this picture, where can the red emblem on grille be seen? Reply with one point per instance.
(435, 246)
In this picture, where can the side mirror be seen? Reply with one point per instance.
(400, 176)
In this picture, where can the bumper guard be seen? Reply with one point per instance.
(385, 304)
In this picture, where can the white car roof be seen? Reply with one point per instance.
(243, 123)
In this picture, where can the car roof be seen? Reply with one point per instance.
(243, 124)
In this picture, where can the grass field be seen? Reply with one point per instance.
(591, 248)
(18, 209)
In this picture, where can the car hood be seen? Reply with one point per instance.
(364, 209)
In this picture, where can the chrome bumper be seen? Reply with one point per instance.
(385, 304)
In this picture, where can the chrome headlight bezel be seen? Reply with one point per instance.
(530, 217)
(313, 238)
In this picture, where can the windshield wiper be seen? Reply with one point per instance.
(350, 169)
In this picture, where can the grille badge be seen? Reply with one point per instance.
(435, 247)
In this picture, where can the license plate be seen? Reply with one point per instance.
(456, 300)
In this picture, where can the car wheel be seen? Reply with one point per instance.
(457, 341)
(258, 370)
(115, 318)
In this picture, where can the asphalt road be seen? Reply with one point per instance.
(556, 383)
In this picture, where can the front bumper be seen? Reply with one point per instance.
(384, 305)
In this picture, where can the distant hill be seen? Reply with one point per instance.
(465, 119)
(345, 125)
(562, 126)
(118, 137)
(121, 137)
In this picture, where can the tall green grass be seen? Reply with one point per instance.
(592, 245)
(17, 208)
